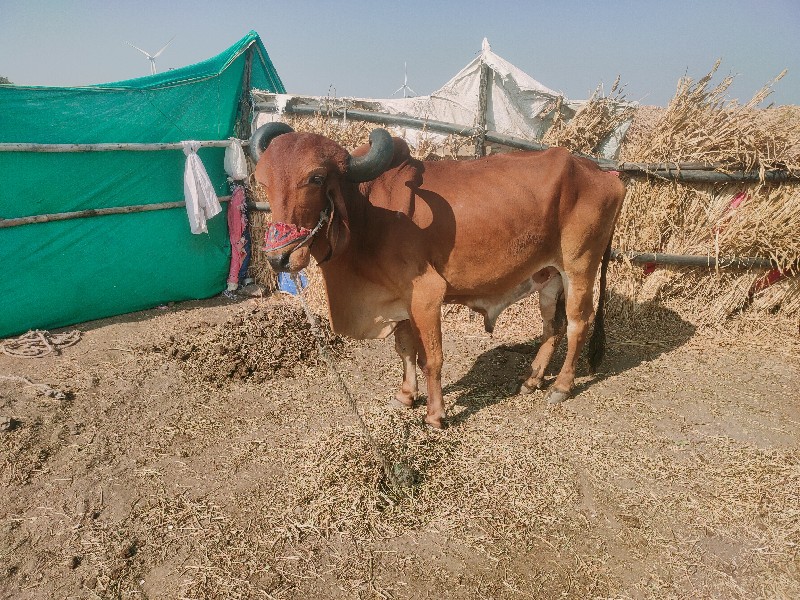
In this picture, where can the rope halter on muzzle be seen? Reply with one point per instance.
(283, 235)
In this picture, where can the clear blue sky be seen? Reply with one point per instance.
(358, 47)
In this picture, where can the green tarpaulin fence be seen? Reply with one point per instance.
(60, 273)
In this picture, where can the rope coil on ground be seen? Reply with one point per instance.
(38, 343)
(400, 476)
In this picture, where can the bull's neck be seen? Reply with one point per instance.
(357, 206)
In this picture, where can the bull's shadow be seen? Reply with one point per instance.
(496, 374)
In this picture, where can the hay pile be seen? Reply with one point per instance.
(260, 342)
(258, 224)
(731, 220)
(702, 125)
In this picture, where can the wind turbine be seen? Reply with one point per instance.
(404, 88)
(152, 57)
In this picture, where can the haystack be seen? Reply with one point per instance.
(731, 220)
(597, 119)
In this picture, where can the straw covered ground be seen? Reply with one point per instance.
(161, 473)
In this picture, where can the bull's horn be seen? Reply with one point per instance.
(374, 162)
(263, 136)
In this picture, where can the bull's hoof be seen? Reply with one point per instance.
(395, 404)
(528, 387)
(401, 401)
(435, 423)
(398, 403)
(555, 396)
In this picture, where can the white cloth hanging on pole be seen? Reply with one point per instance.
(235, 161)
(201, 199)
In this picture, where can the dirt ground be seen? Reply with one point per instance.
(202, 450)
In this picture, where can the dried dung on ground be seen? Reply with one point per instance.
(263, 341)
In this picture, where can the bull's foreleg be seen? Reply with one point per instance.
(426, 322)
(580, 313)
(551, 303)
(405, 344)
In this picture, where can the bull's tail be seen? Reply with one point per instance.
(596, 348)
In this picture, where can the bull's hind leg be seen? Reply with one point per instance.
(580, 313)
(406, 347)
(551, 303)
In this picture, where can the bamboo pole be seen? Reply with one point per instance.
(94, 212)
(244, 110)
(107, 147)
(483, 105)
(711, 262)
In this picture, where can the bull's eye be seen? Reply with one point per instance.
(316, 179)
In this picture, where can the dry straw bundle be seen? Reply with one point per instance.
(702, 125)
(592, 123)
(259, 223)
(740, 220)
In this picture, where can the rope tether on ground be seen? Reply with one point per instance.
(38, 343)
(41, 388)
(400, 476)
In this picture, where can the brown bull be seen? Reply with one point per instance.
(397, 237)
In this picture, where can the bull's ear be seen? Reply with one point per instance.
(339, 217)
(376, 161)
(263, 135)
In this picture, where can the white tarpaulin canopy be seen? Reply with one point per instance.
(516, 104)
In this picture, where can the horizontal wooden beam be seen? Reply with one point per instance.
(374, 117)
(94, 212)
(711, 262)
(109, 147)
(689, 172)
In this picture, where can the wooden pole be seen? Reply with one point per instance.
(94, 212)
(244, 109)
(107, 147)
(693, 176)
(711, 262)
(483, 106)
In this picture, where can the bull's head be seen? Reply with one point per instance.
(306, 177)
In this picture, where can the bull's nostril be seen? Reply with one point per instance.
(279, 263)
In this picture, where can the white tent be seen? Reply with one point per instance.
(515, 104)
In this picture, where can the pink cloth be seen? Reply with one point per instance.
(737, 200)
(237, 224)
(280, 235)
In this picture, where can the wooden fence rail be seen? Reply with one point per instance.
(687, 172)
(108, 147)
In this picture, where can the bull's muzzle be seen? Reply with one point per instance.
(280, 262)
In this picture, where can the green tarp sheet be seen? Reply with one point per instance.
(61, 273)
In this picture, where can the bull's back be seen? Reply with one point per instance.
(493, 222)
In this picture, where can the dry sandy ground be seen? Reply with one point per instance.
(191, 458)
